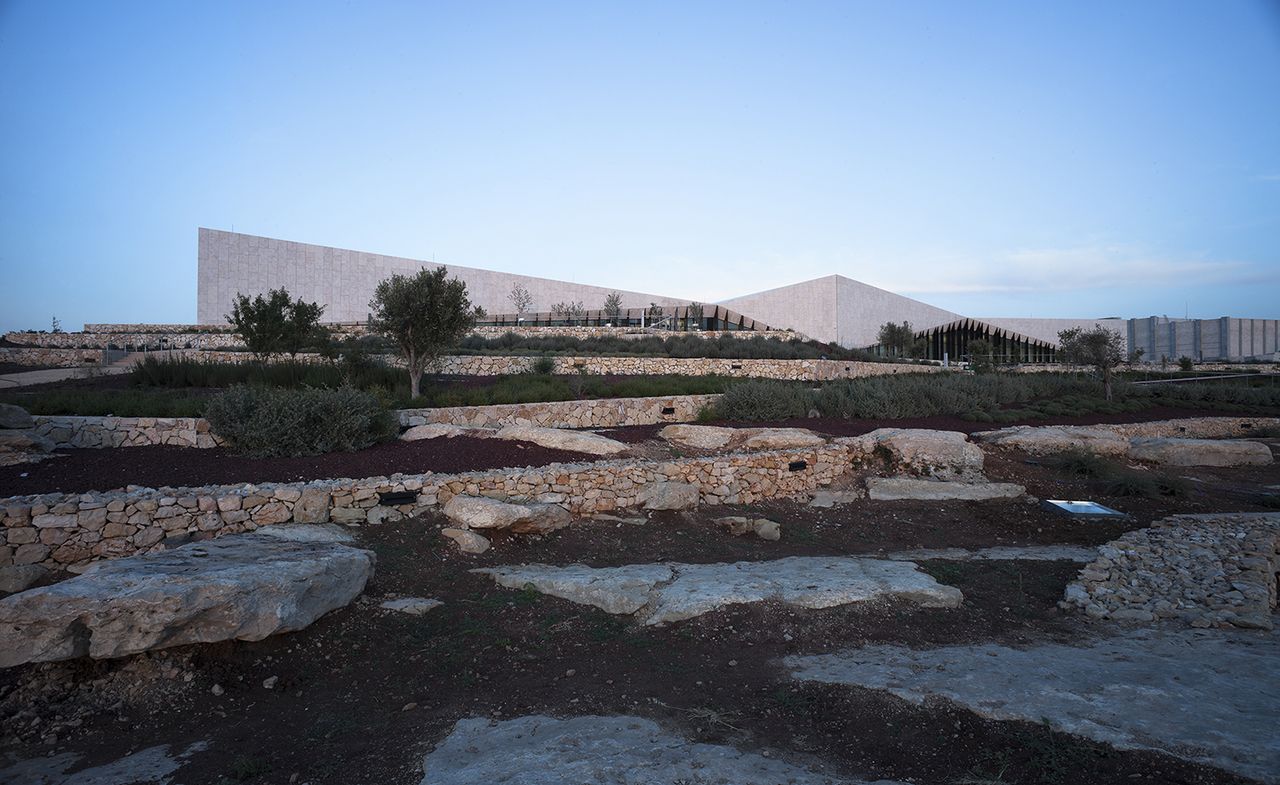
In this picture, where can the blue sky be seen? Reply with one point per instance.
(996, 159)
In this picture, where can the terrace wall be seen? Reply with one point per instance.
(595, 413)
(70, 531)
(60, 358)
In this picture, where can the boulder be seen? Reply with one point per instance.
(1050, 439)
(481, 512)
(828, 498)
(763, 528)
(921, 451)
(467, 540)
(15, 417)
(1200, 452)
(562, 439)
(668, 496)
(241, 587)
(21, 578)
(24, 441)
(307, 532)
(782, 439)
(914, 489)
(434, 431)
(698, 437)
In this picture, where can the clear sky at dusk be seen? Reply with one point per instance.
(995, 159)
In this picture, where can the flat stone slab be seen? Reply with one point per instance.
(1076, 553)
(1200, 452)
(413, 606)
(562, 439)
(241, 587)
(307, 532)
(150, 765)
(440, 430)
(541, 750)
(1208, 697)
(827, 498)
(1051, 439)
(698, 437)
(668, 592)
(782, 439)
(913, 489)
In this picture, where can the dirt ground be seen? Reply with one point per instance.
(363, 694)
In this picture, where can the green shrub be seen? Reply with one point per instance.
(267, 422)
(1081, 463)
(544, 366)
(764, 400)
(100, 403)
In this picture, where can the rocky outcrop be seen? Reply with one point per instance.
(1048, 440)
(669, 496)
(763, 528)
(781, 439)
(541, 750)
(1200, 452)
(562, 439)
(15, 418)
(411, 606)
(698, 437)
(235, 588)
(914, 489)
(670, 592)
(435, 431)
(466, 540)
(942, 454)
(479, 512)
(19, 443)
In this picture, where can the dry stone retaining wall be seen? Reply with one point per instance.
(69, 531)
(61, 358)
(93, 432)
(595, 413)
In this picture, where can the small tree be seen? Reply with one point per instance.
(520, 298)
(261, 321)
(1185, 363)
(302, 327)
(613, 307)
(1135, 356)
(423, 315)
(55, 326)
(1099, 347)
(897, 339)
(695, 315)
(981, 356)
(654, 313)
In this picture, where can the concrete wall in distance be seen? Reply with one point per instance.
(343, 280)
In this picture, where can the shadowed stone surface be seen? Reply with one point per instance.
(1200, 452)
(910, 488)
(561, 439)
(151, 765)
(1210, 697)
(672, 592)
(1076, 553)
(243, 587)
(541, 750)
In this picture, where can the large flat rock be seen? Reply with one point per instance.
(1051, 439)
(921, 451)
(1206, 697)
(782, 439)
(562, 439)
(241, 587)
(540, 750)
(913, 489)
(669, 592)
(481, 512)
(1200, 452)
(698, 437)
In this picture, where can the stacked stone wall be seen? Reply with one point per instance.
(59, 358)
(70, 531)
(96, 432)
(595, 413)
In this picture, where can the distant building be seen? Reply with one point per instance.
(833, 309)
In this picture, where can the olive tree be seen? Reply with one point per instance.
(1099, 347)
(423, 315)
(897, 339)
(275, 322)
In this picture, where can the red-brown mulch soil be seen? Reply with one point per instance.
(80, 471)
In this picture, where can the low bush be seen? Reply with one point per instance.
(1081, 463)
(101, 403)
(724, 346)
(265, 422)
(764, 400)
